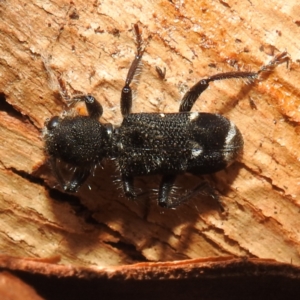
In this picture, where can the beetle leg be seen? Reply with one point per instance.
(128, 187)
(94, 108)
(164, 191)
(195, 91)
(78, 178)
(206, 189)
(126, 95)
(203, 187)
(56, 172)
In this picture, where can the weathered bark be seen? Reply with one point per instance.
(219, 278)
(13, 288)
(90, 45)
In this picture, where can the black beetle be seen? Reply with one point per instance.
(148, 143)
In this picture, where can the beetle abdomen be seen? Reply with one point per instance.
(199, 143)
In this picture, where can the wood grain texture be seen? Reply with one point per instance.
(90, 45)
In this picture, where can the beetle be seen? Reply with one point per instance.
(167, 144)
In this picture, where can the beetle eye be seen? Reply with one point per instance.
(53, 122)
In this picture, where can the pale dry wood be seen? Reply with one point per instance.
(90, 44)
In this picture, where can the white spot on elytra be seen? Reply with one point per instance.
(196, 152)
(228, 154)
(230, 135)
(162, 115)
(193, 116)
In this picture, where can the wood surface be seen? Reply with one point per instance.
(90, 45)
